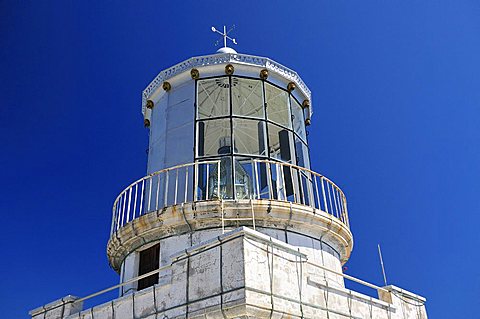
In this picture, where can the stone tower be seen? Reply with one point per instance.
(230, 221)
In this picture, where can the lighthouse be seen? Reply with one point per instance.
(230, 220)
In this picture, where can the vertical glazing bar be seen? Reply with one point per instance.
(323, 193)
(135, 201)
(141, 198)
(186, 184)
(176, 186)
(206, 188)
(166, 189)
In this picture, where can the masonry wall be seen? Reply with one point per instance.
(245, 274)
(316, 250)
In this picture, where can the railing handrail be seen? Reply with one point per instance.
(305, 186)
(299, 168)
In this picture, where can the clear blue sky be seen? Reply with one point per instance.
(396, 97)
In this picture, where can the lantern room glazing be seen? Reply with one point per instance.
(239, 119)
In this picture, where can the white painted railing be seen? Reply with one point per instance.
(212, 180)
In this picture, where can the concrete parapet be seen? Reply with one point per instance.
(60, 308)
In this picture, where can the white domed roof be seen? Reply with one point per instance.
(226, 50)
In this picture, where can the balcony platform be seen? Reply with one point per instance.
(183, 219)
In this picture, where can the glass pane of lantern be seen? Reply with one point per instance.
(302, 153)
(214, 137)
(218, 184)
(213, 99)
(280, 143)
(277, 105)
(243, 178)
(249, 137)
(247, 97)
(298, 119)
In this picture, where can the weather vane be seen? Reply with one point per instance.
(225, 35)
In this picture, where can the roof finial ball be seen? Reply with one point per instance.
(225, 36)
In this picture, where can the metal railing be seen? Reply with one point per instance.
(221, 179)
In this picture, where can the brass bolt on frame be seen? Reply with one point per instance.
(194, 74)
(229, 69)
(150, 104)
(166, 86)
(264, 74)
(291, 86)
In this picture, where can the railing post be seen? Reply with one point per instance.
(256, 179)
(293, 185)
(269, 180)
(166, 189)
(195, 182)
(135, 200)
(206, 183)
(141, 197)
(149, 194)
(114, 219)
(129, 202)
(158, 192)
(123, 208)
(176, 186)
(186, 184)
(284, 186)
(324, 196)
(218, 179)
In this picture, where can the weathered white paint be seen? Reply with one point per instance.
(172, 128)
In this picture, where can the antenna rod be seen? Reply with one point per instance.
(383, 267)
(224, 36)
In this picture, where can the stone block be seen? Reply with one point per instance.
(233, 265)
(143, 302)
(204, 274)
(104, 311)
(123, 307)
